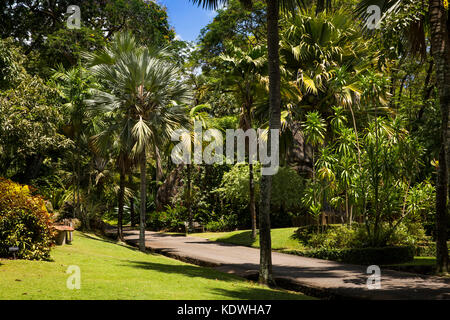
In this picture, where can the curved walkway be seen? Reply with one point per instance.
(317, 277)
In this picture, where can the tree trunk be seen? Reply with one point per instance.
(265, 241)
(188, 198)
(78, 204)
(351, 214)
(440, 48)
(347, 214)
(121, 197)
(246, 124)
(143, 167)
(132, 213)
(252, 200)
(159, 178)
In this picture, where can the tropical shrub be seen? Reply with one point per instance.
(172, 219)
(342, 236)
(355, 236)
(287, 188)
(24, 222)
(223, 223)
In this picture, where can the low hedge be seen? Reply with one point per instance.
(364, 256)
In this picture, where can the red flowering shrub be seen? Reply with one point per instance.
(24, 222)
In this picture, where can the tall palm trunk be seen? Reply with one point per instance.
(252, 200)
(440, 48)
(188, 198)
(265, 267)
(159, 178)
(143, 167)
(78, 204)
(121, 197)
(132, 213)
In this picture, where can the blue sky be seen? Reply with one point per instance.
(186, 18)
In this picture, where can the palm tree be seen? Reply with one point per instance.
(118, 134)
(116, 141)
(196, 114)
(273, 14)
(440, 50)
(73, 86)
(245, 72)
(144, 90)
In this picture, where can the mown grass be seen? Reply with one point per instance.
(283, 238)
(112, 271)
(419, 261)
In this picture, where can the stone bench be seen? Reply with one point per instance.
(63, 234)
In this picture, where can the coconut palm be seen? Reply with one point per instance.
(273, 14)
(146, 93)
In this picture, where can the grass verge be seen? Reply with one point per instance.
(111, 271)
(282, 239)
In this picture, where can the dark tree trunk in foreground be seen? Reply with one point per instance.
(121, 200)
(265, 241)
(440, 48)
(142, 165)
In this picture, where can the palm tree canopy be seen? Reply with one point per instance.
(145, 92)
(285, 5)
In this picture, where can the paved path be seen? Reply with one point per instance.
(313, 276)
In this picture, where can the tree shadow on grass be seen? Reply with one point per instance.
(255, 293)
(186, 270)
(106, 240)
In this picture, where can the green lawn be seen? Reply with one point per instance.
(281, 238)
(114, 271)
(419, 261)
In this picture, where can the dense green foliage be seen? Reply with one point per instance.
(86, 117)
(24, 222)
(364, 256)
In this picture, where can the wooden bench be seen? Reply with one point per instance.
(63, 234)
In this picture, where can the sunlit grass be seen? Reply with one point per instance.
(282, 238)
(117, 271)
